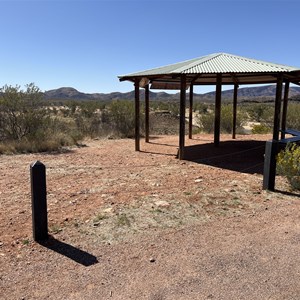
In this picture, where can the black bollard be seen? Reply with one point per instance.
(270, 165)
(39, 201)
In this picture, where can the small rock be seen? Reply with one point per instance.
(198, 180)
(162, 203)
(152, 260)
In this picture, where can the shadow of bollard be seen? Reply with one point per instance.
(79, 256)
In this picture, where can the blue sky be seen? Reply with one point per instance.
(86, 44)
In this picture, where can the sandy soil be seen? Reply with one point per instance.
(144, 225)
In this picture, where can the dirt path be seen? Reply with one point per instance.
(143, 225)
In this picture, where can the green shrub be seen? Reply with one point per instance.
(202, 108)
(206, 122)
(288, 165)
(121, 116)
(27, 126)
(260, 112)
(226, 122)
(261, 129)
(21, 113)
(227, 118)
(293, 116)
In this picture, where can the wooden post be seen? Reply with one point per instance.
(284, 108)
(234, 110)
(182, 116)
(137, 113)
(147, 109)
(277, 108)
(39, 201)
(191, 112)
(218, 110)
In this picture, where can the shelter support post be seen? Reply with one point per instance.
(277, 108)
(284, 108)
(218, 110)
(272, 146)
(191, 112)
(137, 113)
(271, 151)
(182, 116)
(235, 92)
(147, 126)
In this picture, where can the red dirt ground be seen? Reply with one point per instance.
(144, 225)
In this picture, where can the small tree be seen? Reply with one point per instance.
(122, 116)
(226, 123)
(21, 114)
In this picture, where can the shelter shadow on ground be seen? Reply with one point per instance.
(240, 156)
(79, 256)
(289, 193)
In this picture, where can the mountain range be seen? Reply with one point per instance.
(260, 93)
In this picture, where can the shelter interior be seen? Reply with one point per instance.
(219, 69)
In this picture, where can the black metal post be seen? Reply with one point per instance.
(270, 165)
(39, 201)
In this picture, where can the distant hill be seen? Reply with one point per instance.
(259, 93)
(69, 93)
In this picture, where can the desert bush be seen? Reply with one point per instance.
(261, 129)
(288, 165)
(260, 112)
(227, 118)
(202, 108)
(226, 122)
(293, 116)
(206, 122)
(121, 116)
(89, 126)
(21, 114)
(172, 107)
(27, 126)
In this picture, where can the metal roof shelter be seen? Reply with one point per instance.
(215, 69)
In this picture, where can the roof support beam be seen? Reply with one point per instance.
(235, 92)
(137, 113)
(234, 79)
(284, 108)
(182, 116)
(218, 110)
(195, 78)
(191, 112)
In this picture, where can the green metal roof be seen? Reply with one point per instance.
(203, 70)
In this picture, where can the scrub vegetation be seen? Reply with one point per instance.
(288, 165)
(29, 123)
